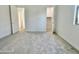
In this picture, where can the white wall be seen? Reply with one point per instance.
(65, 27)
(35, 18)
(15, 21)
(4, 21)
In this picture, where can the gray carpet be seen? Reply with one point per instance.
(30, 43)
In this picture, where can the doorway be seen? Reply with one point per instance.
(50, 20)
(21, 19)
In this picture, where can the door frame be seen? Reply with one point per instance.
(10, 19)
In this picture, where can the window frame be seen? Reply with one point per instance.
(76, 15)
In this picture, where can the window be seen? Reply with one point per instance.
(76, 16)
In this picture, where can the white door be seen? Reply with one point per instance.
(14, 18)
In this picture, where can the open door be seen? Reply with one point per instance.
(14, 19)
(21, 19)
